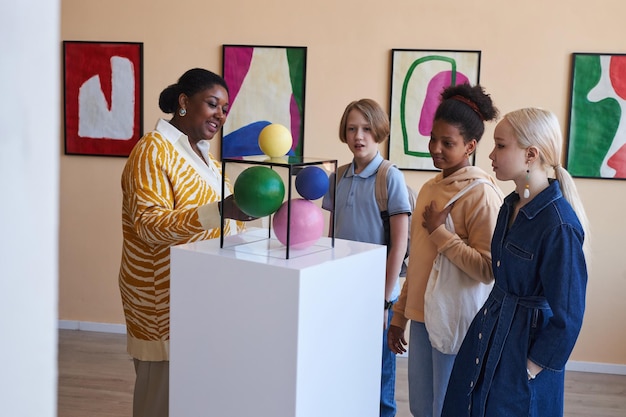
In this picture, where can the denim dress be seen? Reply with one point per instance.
(535, 311)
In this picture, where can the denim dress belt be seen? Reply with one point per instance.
(508, 303)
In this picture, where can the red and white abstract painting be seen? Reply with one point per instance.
(103, 97)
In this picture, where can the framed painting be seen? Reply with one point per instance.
(596, 145)
(267, 86)
(417, 79)
(102, 97)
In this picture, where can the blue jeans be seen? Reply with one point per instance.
(428, 371)
(388, 377)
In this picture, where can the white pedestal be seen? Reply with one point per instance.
(254, 335)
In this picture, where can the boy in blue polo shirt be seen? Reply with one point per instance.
(363, 126)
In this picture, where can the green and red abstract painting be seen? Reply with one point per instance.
(597, 129)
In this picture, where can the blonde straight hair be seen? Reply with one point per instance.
(541, 129)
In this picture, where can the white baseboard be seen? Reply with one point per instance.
(596, 367)
(92, 327)
(576, 366)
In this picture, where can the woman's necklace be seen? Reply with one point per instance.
(195, 148)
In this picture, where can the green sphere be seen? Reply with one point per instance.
(259, 191)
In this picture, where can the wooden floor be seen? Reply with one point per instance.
(96, 378)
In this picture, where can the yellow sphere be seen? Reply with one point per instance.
(275, 140)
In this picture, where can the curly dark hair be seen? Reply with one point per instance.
(468, 108)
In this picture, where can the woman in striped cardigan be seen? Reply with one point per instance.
(171, 195)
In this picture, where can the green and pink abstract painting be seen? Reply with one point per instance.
(267, 85)
(417, 79)
(597, 129)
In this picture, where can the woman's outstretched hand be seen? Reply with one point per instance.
(231, 210)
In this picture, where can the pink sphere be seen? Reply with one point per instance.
(307, 223)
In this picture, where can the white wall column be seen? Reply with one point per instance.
(30, 68)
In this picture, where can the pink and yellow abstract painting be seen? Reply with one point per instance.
(267, 85)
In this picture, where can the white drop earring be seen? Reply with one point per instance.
(527, 186)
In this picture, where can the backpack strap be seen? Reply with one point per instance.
(380, 187)
(469, 187)
(449, 223)
(341, 171)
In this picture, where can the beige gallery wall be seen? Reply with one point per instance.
(526, 56)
